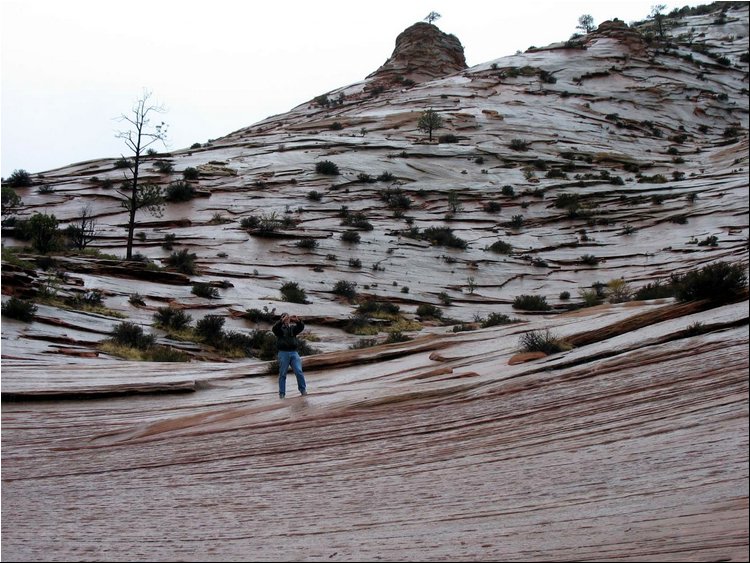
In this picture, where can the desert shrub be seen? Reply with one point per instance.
(445, 299)
(132, 335)
(136, 300)
(508, 191)
(121, 163)
(190, 173)
(405, 289)
(443, 236)
(19, 309)
(166, 354)
(350, 236)
(566, 200)
(564, 295)
(355, 263)
(397, 336)
(492, 207)
(501, 247)
(371, 307)
(205, 290)
(449, 138)
(327, 167)
(364, 343)
(210, 329)
(495, 319)
(44, 234)
(169, 318)
(531, 303)
(386, 177)
(164, 166)
(179, 191)
(720, 282)
(711, 240)
(618, 291)
(257, 315)
(89, 298)
(169, 240)
(516, 222)
(183, 261)
(589, 260)
(314, 195)
(542, 341)
(519, 145)
(365, 178)
(293, 293)
(307, 244)
(345, 289)
(655, 290)
(426, 310)
(357, 220)
(19, 178)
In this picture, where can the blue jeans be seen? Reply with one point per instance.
(286, 358)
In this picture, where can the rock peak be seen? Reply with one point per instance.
(422, 53)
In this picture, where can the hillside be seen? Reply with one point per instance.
(596, 167)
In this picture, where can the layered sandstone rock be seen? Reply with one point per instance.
(422, 53)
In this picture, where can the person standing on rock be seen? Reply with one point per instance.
(286, 330)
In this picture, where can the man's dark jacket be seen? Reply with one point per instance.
(286, 335)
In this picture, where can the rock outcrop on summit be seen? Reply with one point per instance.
(422, 53)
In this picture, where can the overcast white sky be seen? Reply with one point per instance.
(70, 67)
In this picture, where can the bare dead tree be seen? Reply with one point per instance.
(83, 230)
(138, 138)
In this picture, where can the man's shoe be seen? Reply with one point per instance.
(281, 395)
(303, 392)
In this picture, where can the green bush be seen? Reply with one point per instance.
(183, 261)
(211, 329)
(205, 290)
(720, 282)
(179, 191)
(590, 260)
(19, 309)
(307, 244)
(327, 167)
(132, 335)
(350, 236)
(495, 319)
(443, 236)
(357, 220)
(345, 289)
(18, 179)
(501, 247)
(519, 145)
(166, 354)
(654, 290)
(169, 318)
(293, 293)
(44, 234)
(449, 138)
(425, 310)
(190, 173)
(542, 341)
(531, 303)
(164, 166)
(397, 336)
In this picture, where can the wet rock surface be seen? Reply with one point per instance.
(632, 165)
